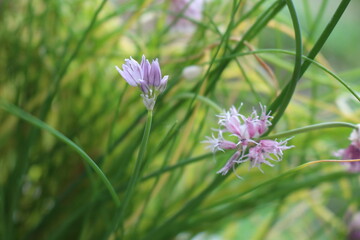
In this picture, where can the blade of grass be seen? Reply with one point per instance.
(311, 128)
(162, 231)
(314, 51)
(280, 179)
(247, 79)
(175, 166)
(265, 229)
(63, 70)
(22, 163)
(318, 20)
(261, 22)
(341, 81)
(135, 177)
(151, 191)
(40, 124)
(297, 67)
(202, 99)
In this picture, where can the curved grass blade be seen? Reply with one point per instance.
(317, 64)
(315, 50)
(40, 124)
(297, 68)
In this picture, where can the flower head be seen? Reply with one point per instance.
(146, 76)
(245, 127)
(352, 151)
(266, 150)
(246, 130)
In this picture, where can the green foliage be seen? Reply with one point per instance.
(81, 159)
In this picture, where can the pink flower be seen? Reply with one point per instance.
(230, 120)
(266, 149)
(351, 152)
(219, 143)
(146, 76)
(246, 130)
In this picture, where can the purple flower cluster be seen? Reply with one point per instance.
(245, 131)
(146, 76)
(351, 152)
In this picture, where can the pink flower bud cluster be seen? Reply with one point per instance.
(146, 76)
(351, 152)
(246, 130)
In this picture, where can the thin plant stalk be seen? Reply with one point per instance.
(311, 128)
(42, 125)
(297, 67)
(136, 176)
(315, 63)
(314, 51)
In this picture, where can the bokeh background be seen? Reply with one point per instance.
(57, 63)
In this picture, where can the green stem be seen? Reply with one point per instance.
(178, 165)
(311, 128)
(315, 63)
(163, 230)
(137, 172)
(40, 124)
(112, 126)
(263, 231)
(283, 177)
(325, 34)
(315, 50)
(297, 68)
(63, 69)
(261, 22)
(318, 19)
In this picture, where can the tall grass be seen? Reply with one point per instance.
(73, 163)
